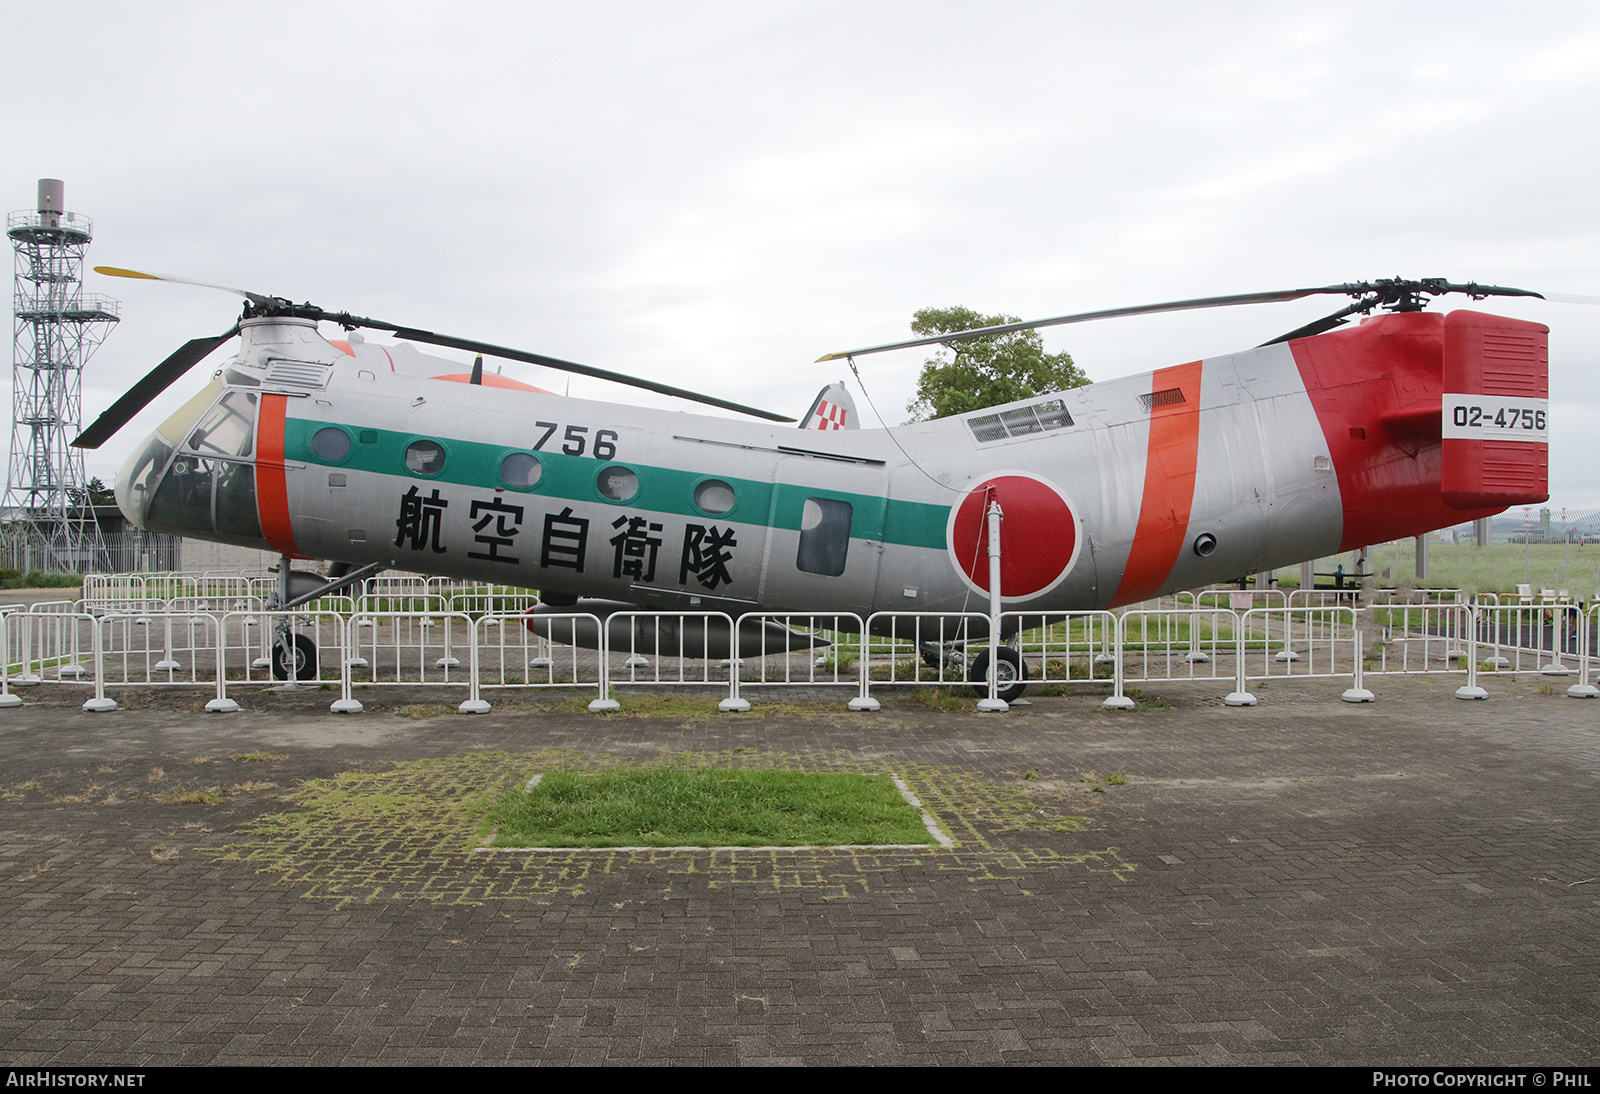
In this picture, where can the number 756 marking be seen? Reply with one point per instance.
(576, 440)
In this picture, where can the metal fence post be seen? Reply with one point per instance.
(474, 703)
(1471, 690)
(604, 702)
(865, 701)
(222, 704)
(1117, 700)
(347, 703)
(7, 697)
(1239, 696)
(100, 704)
(734, 704)
(1583, 689)
(1357, 692)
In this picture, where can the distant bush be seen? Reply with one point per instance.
(37, 579)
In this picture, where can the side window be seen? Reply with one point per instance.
(824, 537)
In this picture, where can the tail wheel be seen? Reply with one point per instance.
(294, 657)
(1012, 675)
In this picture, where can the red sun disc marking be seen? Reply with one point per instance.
(1037, 536)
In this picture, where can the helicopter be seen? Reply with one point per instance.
(1325, 439)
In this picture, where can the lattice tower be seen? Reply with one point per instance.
(57, 328)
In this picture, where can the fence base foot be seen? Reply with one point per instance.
(447, 663)
(1472, 692)
(72, 672)
(1576, 691)
(993, 706)
(1500, 662)
(222, 706)
(166, 666)
(1118, 702)
(540, 663)
(1109, 658)
(27, 679)
(1455, 655)
(261, 663)
(474, 706)
(100, 706)
(734, 706)
(1555, 669)
(1195, 658)
(1239, 699)
(357, 662)
(1286, 655)
(599, 706)
(637, 662)
(864, 702)
(346, 706)
(1358, 695)
(9, 700)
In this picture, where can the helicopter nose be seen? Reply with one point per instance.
(137, 478)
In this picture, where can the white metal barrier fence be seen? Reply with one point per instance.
(218, 634)
(801, 649)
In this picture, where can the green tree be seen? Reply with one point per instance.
(94, 492)
(984, 372)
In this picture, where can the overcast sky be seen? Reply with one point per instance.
(712, 195)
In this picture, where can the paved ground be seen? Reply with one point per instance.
(1414, 881)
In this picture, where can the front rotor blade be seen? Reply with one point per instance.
(1108, 313)
(154, 383)
(553, 362)
(140, 275)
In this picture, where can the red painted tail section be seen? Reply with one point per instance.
(1378, 390)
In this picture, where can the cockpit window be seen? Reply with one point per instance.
(183, 498)
(146, 470)
(228, 429)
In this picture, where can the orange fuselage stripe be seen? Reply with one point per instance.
(272, 487)
(1168, 487)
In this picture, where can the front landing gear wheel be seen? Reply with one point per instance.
(1013, 675)
(297, 652)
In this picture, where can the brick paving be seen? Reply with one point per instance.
(1410, 882)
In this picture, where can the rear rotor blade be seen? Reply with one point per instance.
(154, 383)
(1107, 313)
(1326, 323)
(509, 354)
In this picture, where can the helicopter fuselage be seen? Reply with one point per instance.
(1111, 493)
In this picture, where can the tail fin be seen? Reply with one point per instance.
(832, 409)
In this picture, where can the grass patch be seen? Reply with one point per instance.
(257, 757)
(420, 711)
(687, 708)
(657, 807)
(956, 700)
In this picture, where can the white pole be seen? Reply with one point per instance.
(993, 702)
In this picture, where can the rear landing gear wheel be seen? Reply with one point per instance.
(1013, 674)
(297, 653)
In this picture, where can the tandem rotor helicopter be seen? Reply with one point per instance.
(1325, 439)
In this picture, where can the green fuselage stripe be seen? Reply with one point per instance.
(661, 489)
